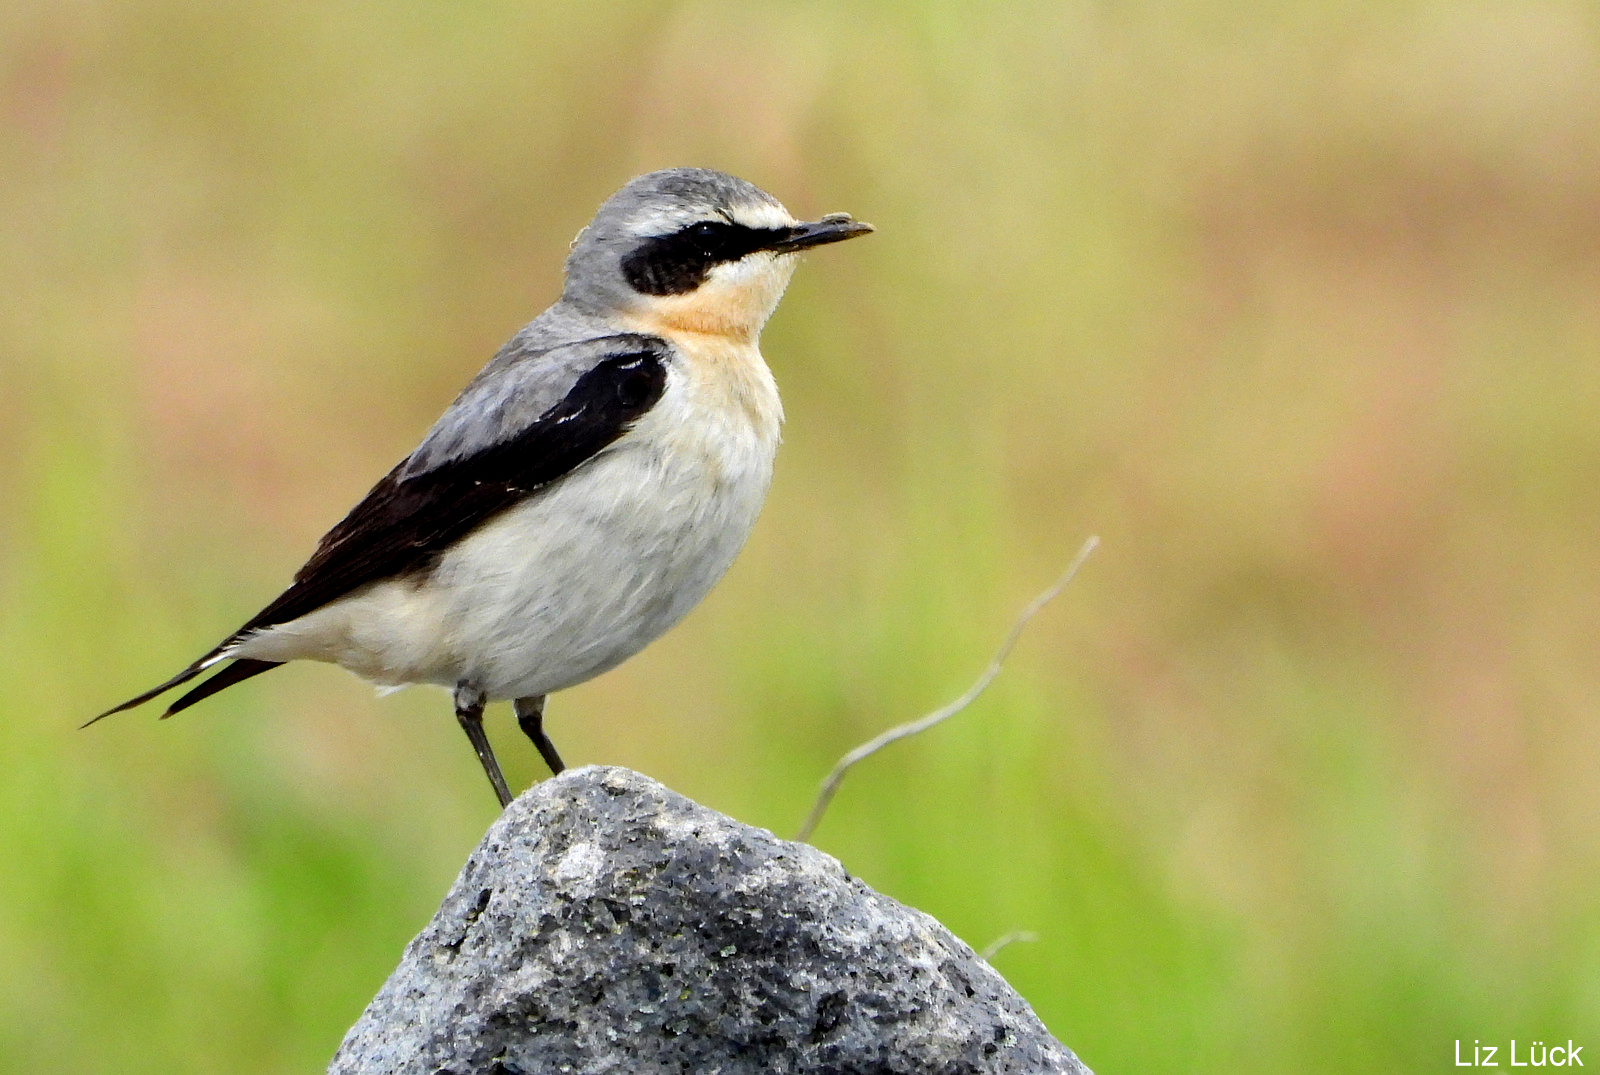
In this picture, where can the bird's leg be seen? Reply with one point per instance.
(469, 711)
(530, 716)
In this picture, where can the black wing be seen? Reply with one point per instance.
(407, 520)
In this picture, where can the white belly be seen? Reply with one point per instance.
(569, 583)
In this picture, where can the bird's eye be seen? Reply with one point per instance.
(707, 235)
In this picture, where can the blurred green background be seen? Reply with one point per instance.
(1297, 306)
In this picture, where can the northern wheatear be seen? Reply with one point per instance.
(583, 493)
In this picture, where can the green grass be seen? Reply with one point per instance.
(1293, 306)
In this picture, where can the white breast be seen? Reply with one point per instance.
(584, 574)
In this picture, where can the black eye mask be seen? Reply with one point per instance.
(676, 264)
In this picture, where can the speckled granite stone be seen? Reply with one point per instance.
(606, 924)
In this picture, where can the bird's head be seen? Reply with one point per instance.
(693, 250)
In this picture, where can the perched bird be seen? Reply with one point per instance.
(584, 491)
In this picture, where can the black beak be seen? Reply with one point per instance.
(833, 228)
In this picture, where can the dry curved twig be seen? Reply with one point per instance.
(901, 731)
(1006, 940)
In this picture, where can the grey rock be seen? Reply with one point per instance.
(607, 924)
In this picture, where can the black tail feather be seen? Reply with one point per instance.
(240, 670)
(182, 677)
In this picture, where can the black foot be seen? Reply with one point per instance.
(530, 715)
(469, 711)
